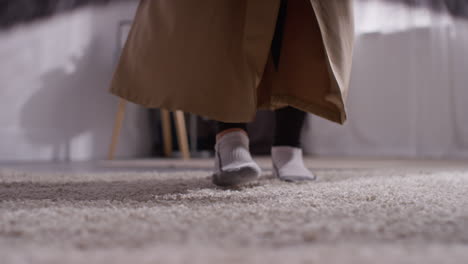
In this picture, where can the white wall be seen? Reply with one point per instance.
(409, 87)
(54, 77)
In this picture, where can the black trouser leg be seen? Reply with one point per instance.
(287, 117)
(288, 128)
(289, 122)
(224, 126)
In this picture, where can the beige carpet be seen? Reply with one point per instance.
(347, 216)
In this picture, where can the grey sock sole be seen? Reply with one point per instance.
(235, 177)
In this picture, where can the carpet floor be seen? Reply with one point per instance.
(365, 215)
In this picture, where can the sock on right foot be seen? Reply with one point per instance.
(234, 164)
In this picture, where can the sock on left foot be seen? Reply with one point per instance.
(288, 164)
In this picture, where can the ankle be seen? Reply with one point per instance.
(230, 130)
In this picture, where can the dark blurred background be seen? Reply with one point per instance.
(17, 11)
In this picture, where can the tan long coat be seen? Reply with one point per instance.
(211, 57)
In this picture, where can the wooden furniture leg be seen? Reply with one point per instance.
(166, 130)
(182, 134)
(117, 127)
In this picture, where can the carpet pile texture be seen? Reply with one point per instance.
(179, 216)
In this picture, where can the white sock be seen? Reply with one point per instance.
(288, 164)
(233, 163)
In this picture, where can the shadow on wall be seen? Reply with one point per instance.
(66, 105)
(72, 112)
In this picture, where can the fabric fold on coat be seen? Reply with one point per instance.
(213, 57)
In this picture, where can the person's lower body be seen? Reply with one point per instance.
(234, 163)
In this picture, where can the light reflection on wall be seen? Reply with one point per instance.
(393, 16)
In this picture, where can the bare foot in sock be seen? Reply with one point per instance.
(233, 163)
(288, 164)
